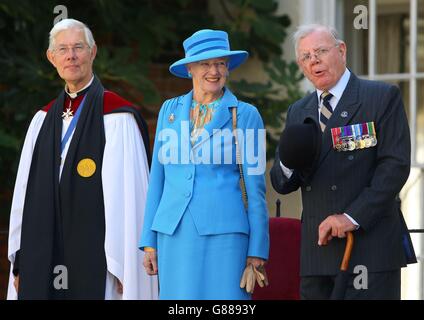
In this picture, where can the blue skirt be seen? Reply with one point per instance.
(195, 267)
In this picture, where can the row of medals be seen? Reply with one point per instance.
(350, 144)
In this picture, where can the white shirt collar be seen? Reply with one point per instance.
(73, 95)
(339, 88)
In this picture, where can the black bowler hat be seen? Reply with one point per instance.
(300, 145)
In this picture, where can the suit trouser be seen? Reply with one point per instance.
(379, 286)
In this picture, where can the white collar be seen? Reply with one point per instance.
(339, 88)
(73, 95)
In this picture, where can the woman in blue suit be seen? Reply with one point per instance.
(198, 235)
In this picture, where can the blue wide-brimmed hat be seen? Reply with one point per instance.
(207, 44)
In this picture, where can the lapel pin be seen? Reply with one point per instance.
(344, 114)
(171, 118)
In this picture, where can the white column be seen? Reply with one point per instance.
(318, 11)
(372, 38)
(413, 80)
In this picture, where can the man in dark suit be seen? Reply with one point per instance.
(363, 163)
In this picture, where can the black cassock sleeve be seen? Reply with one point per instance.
(15, 270)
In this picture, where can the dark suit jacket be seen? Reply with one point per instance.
(362, 183)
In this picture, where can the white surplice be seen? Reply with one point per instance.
(125, 175)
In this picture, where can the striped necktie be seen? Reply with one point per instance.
(326, 109)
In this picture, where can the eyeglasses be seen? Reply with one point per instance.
(206, 66)
(318, 53)
(63, 50)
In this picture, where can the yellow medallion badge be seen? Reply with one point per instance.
(86, 168)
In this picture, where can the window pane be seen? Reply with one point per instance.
(392, 36)
(420, 36)
(420, 121)
(356, 39)
(404, 88)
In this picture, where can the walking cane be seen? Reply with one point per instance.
(342, 278)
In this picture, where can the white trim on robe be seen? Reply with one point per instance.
(125, 175)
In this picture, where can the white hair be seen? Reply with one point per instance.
(66, 24)
(305, 30)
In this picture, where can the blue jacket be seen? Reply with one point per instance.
(186, 178)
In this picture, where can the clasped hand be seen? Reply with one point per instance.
(335, 225)
(254, 272)
(150, 263)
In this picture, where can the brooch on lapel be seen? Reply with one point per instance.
(66, 115)
(354, 136)
(171, 118)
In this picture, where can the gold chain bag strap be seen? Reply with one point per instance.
(238, 159)
(251, 274)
